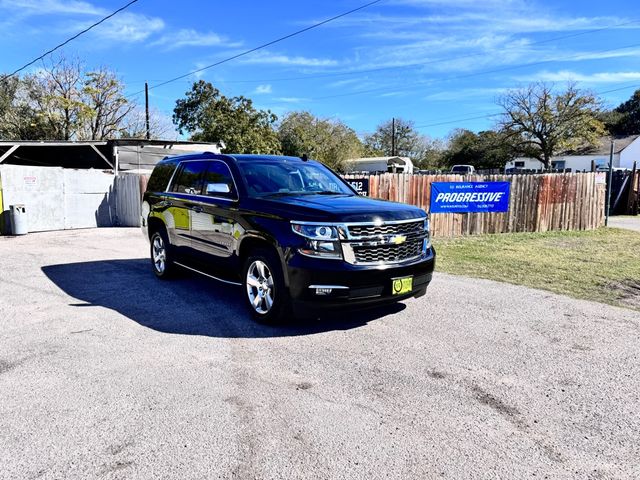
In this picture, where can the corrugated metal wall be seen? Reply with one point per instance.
(58, 198)
(127, 199)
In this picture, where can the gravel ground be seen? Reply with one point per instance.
(106, 372)
(628, 222)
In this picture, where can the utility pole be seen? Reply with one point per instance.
(393, 137)
(146, 108)
(609, 181)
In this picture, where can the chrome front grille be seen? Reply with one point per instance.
(384, 243)
(406, 228)
(388, 253)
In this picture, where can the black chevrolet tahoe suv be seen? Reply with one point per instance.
(294, 234)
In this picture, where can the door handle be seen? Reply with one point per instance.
(197, 209)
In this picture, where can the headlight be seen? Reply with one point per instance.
(427, 240)
(321, 240)
(316, 232)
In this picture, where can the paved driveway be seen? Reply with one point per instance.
(106, 372)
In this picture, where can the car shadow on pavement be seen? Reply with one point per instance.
(190, 304)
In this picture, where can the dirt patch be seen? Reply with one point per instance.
(507, 411)
(436, 374)
(627, 291)
(5, 365)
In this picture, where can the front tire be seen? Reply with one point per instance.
(161, 255)
(265, 293)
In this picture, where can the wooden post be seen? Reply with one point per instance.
(393, 137)
(146, 108)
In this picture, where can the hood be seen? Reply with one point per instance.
(340, 208)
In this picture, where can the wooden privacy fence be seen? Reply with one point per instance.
(537, 203)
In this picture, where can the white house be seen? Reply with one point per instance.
(381, 164)
(626, 151)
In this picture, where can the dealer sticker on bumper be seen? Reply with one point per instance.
(401, 285)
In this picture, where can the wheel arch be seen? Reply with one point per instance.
(250, 243)
(155, 224)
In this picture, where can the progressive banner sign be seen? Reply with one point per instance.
(469, 197)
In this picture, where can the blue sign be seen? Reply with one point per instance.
(469, 197)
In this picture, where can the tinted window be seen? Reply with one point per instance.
(218, 181)
(190, 178)
(160, 177)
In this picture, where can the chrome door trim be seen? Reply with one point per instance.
(205, 196)
(207, 275)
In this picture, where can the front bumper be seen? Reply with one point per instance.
(363, 286)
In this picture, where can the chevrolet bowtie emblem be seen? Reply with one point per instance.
(398, 239)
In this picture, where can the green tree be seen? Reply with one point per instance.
(408, 142)
(106, 108)
(624, 119)
(207, 115)
(433, 154)
(56, 94)
(484, 150)
(540, 123)
(423, 151)
(62, 101)
(329, 141)
(18, 119)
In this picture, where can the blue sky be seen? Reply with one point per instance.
(440, 63)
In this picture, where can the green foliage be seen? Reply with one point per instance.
(329, 141)
(408, 142)
(62, 102)
(540, 123)
(432, 156)
(19, 120)
(209, 116)
(484, 150)
(625, 119)
(423, 152)
(108, 108)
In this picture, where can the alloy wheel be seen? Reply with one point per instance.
(159, 254)
(260, 289)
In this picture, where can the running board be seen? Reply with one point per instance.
(208, 275)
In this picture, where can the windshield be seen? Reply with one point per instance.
(280, 178)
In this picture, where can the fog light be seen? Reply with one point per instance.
(323, 291)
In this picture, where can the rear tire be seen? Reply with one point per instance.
(161, 255)
(265, 293)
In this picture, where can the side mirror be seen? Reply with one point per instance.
(218, 188)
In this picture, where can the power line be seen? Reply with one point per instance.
(420, 64)
(69, 40)
(264, 45)
(489, 115)
(459, 120)
(470, 75)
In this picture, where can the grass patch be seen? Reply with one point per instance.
(601, 265)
